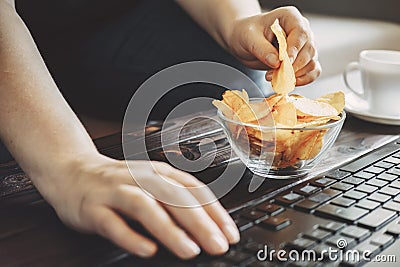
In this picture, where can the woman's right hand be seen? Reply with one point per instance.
(94, 192)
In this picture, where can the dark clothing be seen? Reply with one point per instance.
(102, 54)
(99, 52)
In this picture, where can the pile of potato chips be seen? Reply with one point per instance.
(280, 123)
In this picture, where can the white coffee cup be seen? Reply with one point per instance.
(380, 74)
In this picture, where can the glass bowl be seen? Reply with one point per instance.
(280, 153)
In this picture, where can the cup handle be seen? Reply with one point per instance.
(352, 66)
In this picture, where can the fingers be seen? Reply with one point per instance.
(133, 202)
(296, 40)
(224, 221)
(255, 64)
(262, 49)
(111, 226)
(309, 73)
(204, 195)
(304, 57)
(201, 227)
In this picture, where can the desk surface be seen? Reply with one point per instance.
(32, 235)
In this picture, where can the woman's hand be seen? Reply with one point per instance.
(250, 40)
(93, 194)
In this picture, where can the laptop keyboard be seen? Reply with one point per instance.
(358, 203)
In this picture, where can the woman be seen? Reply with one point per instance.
(94, 50)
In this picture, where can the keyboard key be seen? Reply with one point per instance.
(356, 232)
(237, 256)
(377, 182)
(395, 184)
(378, 197)
(393, 160)
(344, 202)
(318, 234)
(392, 205)
(354, 194)
(270, 209)
(307, 190)
(253, 215)
(374, 169)
(323, 182)
(338, 240)
(384, 165)
(353, 180)
(337, 174)
(369, 249)
(377, 218)
(242, 223)
(349, 214)
(275, 223)
(387, 177)
(393, 229)
(306, 205)
(364, 175)
(321, 250)
(397, 199)
(301, 243)
(382, 240)
(370, 158)
(396, 155)
(332, 226)
(366, 188)
(367, 204)
(325, 195)
(394, 171)
(342, 186)
(289, 198)
(390, 191)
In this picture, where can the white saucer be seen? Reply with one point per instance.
(359, 108)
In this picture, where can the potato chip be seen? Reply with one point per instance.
(224, 108)
(285, 115)
(309, 107)
(336, 100)
(251, 112)
(283, 78)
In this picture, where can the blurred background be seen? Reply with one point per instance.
(376, 9)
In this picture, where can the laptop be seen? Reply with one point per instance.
(344, 213)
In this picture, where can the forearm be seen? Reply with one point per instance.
(37, 125)
(218, 16)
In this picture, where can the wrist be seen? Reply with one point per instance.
(230, 15)
(65, 173)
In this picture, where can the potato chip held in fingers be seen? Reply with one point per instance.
(283, 78)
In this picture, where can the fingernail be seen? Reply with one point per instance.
(190, 249)
(219, 244)
(147, 250)
(268, 76)
(232, 233)
(272, 60)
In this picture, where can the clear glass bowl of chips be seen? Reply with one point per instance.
(276, 151)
